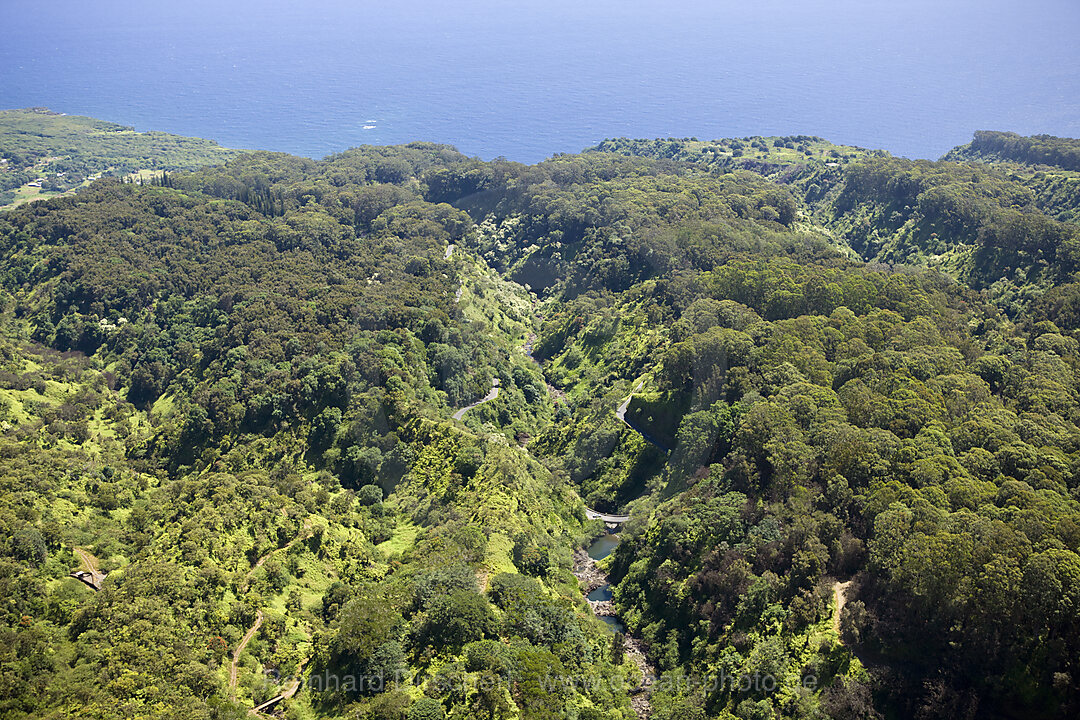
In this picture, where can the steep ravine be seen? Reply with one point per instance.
(591, 578)
(585, 567)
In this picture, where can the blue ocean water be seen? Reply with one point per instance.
(524, 79)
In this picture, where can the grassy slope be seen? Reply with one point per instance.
(38, 144)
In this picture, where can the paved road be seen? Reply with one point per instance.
(620, 412)
(614, 519)
(492, 394)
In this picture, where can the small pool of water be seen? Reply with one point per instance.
(601, 594)
(615, 623)
(603, 546)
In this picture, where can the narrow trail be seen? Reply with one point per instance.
(90, 563)
(305, 533)
(234, 667)
(492, 394)
(840, 597)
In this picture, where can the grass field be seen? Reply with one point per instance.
(74, 149)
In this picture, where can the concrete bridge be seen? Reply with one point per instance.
(92, 576)
(92, 580)
(612, 519)
(290, 689)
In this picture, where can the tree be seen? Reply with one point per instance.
(618, 649)
(364, 645)
(369, 495)
(491, 701)
(29, 546)
(334, 599)
(456, 619)
(426, 709)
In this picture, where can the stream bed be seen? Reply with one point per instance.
(597, 590)
(603, 546)
(598, 550)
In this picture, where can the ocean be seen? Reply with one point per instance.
(526, 79)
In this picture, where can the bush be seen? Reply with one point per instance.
(457, 619)
(29, 547)
(370, 495)
(426, 709)
(510, 588)
(442, 581)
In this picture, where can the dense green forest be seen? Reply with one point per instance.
(836, 392)
(1007, 146)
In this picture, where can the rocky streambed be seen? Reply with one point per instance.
(597, 590)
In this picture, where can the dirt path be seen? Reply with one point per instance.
(90, 563)
(305, 533)
(240, 648)
(840, 599)
(92, 574)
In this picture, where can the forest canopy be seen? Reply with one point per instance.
(342, 418)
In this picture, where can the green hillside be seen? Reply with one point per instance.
(43, 153)
(989, 146)
(813, 376)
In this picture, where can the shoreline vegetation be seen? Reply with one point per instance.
(47, 154)
(267, 421)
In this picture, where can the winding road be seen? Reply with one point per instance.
(240, 648)
(620, 412)
(492, 394)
